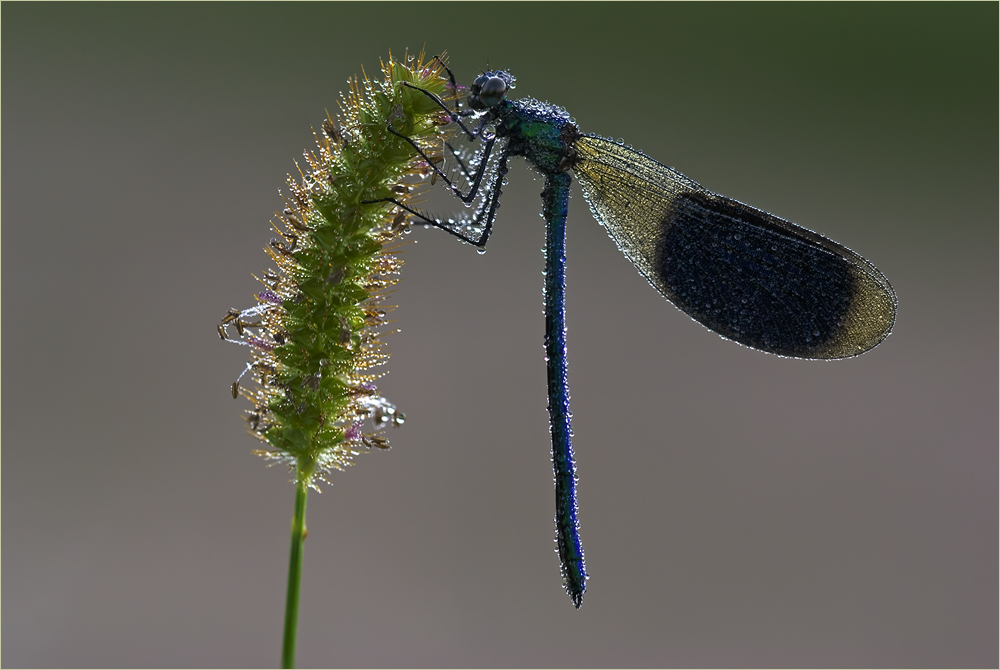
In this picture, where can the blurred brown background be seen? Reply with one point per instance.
(738, 509)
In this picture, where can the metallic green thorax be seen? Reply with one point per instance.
(544, 134)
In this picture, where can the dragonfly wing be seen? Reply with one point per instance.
(746, 274)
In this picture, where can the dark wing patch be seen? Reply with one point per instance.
(748, 275)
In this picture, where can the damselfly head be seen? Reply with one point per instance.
(489, 89)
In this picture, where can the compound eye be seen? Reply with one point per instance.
(477, 85)
(492, 91)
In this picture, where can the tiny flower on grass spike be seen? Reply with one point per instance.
(315, 332)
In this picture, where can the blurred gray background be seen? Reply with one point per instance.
(738, 509)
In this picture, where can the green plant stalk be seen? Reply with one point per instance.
(315, 332)
(294, 575)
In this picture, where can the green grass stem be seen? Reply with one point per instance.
(294, 575)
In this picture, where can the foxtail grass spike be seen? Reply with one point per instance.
(315, 332)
